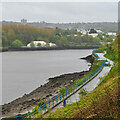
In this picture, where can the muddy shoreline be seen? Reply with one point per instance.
(43, 93)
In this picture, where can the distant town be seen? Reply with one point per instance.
(43, 34)
(105, 26)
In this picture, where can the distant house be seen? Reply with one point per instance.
(99, 31)
(111, 34)
(41, 44)
(84, 32)
(37, 43)
(105, 43)
(75, 35)
(51, 44)
(93, 33)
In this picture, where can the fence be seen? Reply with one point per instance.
(61, 96)
(95, 54)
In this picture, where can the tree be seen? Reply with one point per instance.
(4, 39)
(16, 44)
(11, 35)
(59, 42)
(64, 40)
(39, 45)
(32, 44)
(96, 39)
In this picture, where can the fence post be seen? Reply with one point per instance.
(35, 112)
(45, 106)
(29, 115)
(49, 103)
(56, 98)
(71, 88)
(16, 117)
(66, 93)
(53, 101)
(69, 91)
(60, 96)
(75, 86)
(63, 94)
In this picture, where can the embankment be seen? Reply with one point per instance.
(42, 93)
(50, 48)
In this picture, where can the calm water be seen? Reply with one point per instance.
(22, 72)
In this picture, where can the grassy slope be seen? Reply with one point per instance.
(100, 103)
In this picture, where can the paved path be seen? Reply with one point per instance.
(89, 86)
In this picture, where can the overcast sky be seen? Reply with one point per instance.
(60, 11)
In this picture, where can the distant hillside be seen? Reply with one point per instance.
(105, 26)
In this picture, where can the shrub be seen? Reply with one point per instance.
(83, 92)
(41, 103)
(32, 44)
(62, 89)
(16, 44)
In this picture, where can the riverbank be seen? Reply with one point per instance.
(50, 48)
(103, 101)
(42, 93)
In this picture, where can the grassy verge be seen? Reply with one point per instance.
(95, 66)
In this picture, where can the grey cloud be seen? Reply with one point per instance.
(61, 12)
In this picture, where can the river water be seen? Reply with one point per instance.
(22, 72)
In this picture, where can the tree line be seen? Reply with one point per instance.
(14, 35)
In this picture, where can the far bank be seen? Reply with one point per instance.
(50, 48)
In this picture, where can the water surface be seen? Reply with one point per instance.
(23, 72)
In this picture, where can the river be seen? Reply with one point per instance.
(22, 72)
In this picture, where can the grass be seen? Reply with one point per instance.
(95, 66)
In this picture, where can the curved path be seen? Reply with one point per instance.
(90, 86)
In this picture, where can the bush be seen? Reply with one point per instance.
(62, 89)
(16, 44)
(83, 92)
(32, 44)
(41, 103)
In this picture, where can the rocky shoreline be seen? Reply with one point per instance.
(43, 93)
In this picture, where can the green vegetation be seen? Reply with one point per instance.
(83, 92)
(102, 102)
(32, 44)
(16, 43)
(62, 89)
(26, 34)
(41, 103)
(95, 66)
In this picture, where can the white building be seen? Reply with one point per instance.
(93, 34)
(75, 35)
(111, 34)
(52, 44)
(36, 43)
(99, 31)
